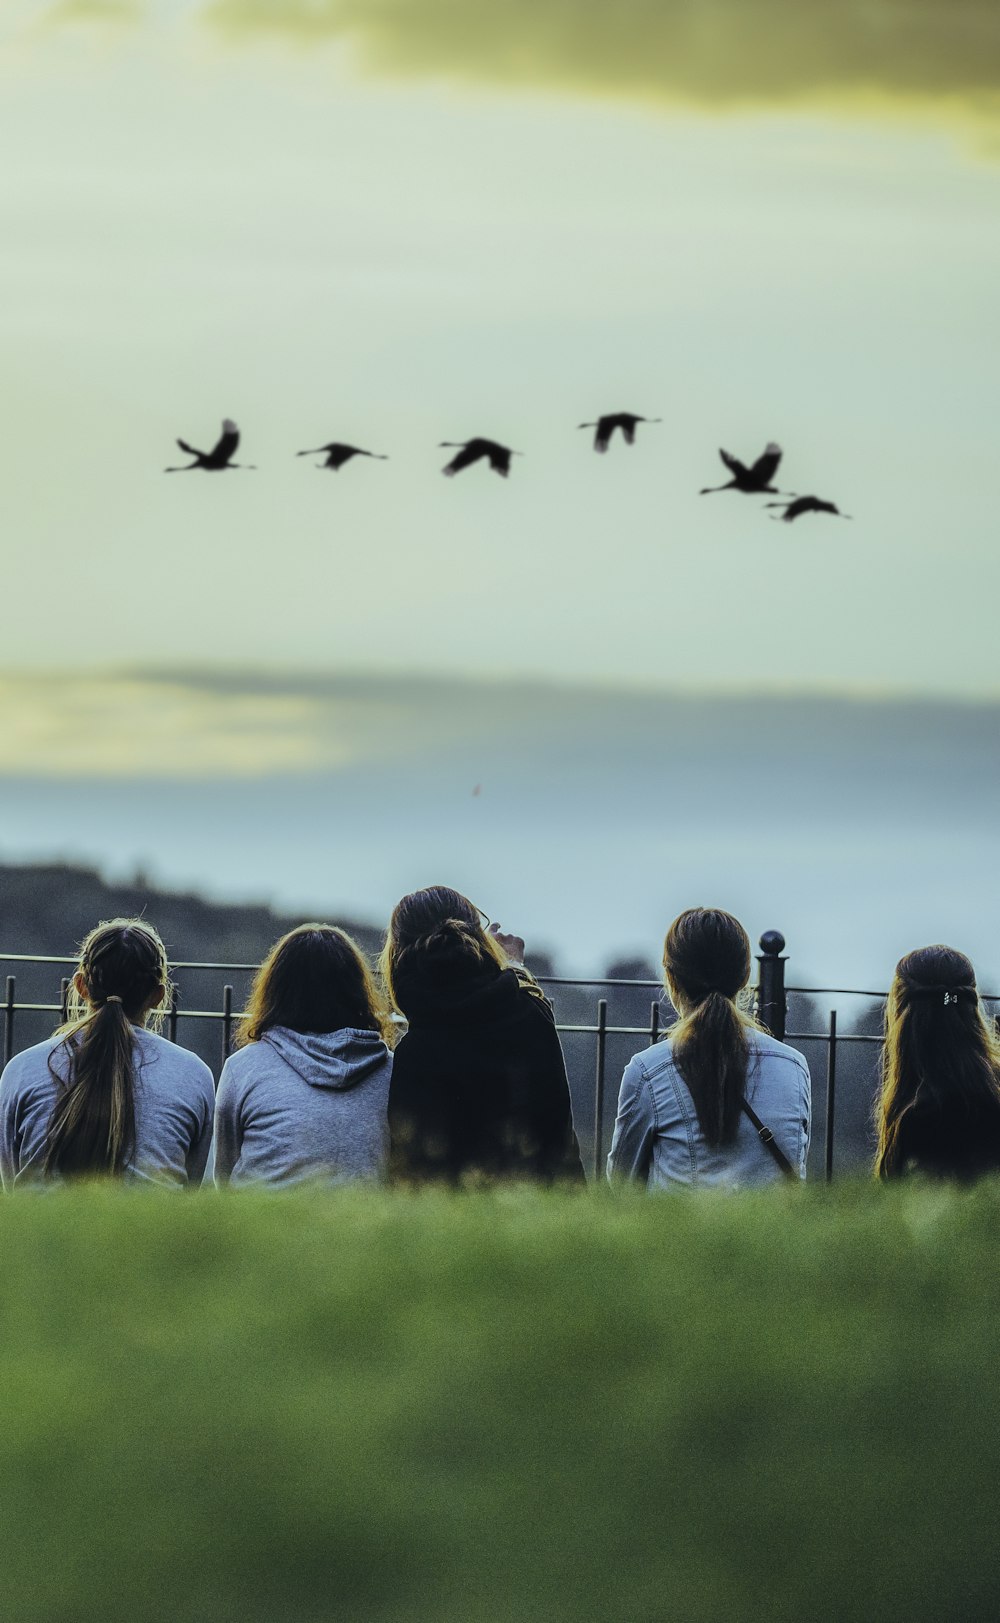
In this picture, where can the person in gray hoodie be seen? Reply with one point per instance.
(305, 1095)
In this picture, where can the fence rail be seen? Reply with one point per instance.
(772, 995)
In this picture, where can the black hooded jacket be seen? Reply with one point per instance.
(478, 1081)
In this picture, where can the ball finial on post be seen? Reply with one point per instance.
(771, 1001)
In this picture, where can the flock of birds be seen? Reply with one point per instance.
(755, 479)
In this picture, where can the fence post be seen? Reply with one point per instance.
(602, 1027)
(172, 1017)
(8, 1020)
(831, 1089)
(771, 1002)
(64, 1000)
(227, 1021)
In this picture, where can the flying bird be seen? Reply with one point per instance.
(753, 481)
(804, 504)
(219, 457)
(470, 451)
(337, 455)
(624, 420)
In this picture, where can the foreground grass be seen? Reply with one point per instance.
(499, 1407)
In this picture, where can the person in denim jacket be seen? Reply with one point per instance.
(683, 1117)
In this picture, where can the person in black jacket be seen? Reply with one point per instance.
(479, 1087)
(939, 1107)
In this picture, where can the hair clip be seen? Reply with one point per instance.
(950, 997)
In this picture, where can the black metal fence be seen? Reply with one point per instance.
(570, 996)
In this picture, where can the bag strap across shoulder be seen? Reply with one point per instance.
(767, 1139)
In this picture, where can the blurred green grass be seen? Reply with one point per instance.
(500, 1406)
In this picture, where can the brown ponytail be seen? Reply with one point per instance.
(123, 966)
(706, 960)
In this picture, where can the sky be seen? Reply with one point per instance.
(408, 222)
(400, 222)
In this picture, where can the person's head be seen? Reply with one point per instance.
(316, 980)
(122, 980)
(437, 932)
(706, 967)
(940, 1052)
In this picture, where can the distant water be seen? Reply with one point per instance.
(585, 820)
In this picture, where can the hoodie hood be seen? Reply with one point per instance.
(430, 996)
(333, 1059)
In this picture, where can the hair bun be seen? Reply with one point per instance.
(450, 936)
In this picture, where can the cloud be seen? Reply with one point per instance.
(93, 726)
(722, 53)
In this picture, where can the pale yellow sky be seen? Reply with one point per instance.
(194, 226)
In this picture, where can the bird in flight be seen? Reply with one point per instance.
(470, 451)
(337, 455)
(624, 420)
(752, 481)
(804, 504)
(219, 457)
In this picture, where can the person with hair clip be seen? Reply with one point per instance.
(479, 1089)
(106, 1096)
(304, 1096)
(718, 1102)
(938, 1109)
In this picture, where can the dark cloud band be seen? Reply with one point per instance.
(725, 52)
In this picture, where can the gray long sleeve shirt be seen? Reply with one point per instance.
(299, 1106)
(174, 1106)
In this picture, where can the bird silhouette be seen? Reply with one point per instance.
(470, 451)
(804, 504)
(219, 457)
(624, 420)
(337, 455)
(752, 481)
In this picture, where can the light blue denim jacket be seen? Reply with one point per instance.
(657, 1138)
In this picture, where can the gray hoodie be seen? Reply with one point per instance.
(296, 1106)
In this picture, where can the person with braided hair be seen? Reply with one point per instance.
(938, 1108)
(478, 1089)
(107, 1096)
(719, 1102)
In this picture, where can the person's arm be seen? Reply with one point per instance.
(8, 1130)
(197, 1157)
(420, 1144)
(513, 946)
(635, 1125)
(807, 1117)
(228, 1136)
(552, 1104)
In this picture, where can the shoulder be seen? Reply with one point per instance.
(774, 1056)
(182, 1065)
(652, 1062)
(29, 1065)
(243, 1062)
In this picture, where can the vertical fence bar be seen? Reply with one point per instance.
(8, 1020)
(64, 999)
(602, 1041)
(227, 1021)
(831, 1090)
(172, 1017)
(654, 1020)
(772, 1005)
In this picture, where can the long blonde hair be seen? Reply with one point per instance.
(121, 967)
(315, 979)
(940, 1049)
